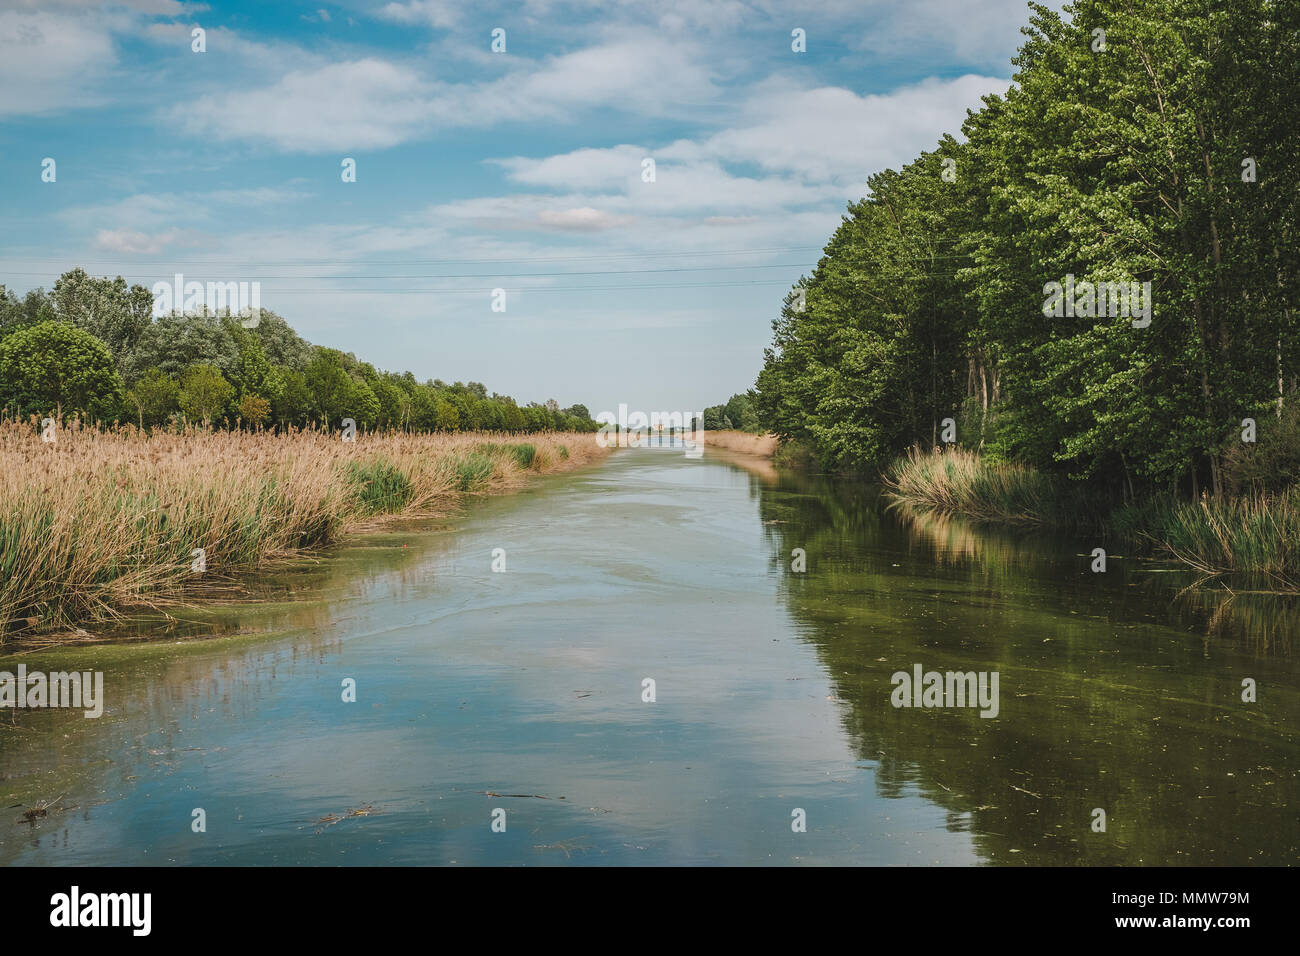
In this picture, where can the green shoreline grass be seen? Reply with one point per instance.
(1255, 535)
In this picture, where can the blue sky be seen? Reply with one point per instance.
(478, 170)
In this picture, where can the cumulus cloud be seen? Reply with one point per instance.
(51, 61)
(362, 104)
(375, 103)
(834, 134)
(581, 219)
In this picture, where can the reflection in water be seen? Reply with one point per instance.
(1118, 691)
(522, 690)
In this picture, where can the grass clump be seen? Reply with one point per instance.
(957, 481)
(380, 486)
(1255, 534)
(473, 471)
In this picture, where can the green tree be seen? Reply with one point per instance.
(330, 386)
(57, 367)
(292, 403)
(205, 393)
(154, 397)
(106, 308)
(253, 410)
(173, 343)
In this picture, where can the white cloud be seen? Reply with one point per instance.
(589, 168)
(50, 62)
(986, 33)
(136, 243)
(436, 13)
(375, 103)
(581, 219)
(363, 104)
(833, 134)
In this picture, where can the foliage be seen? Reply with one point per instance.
(154, 397)
(108, 519)
(52, 367)
(204, 393)
(1123, 164)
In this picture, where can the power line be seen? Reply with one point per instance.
(533, 275)
(483, 290)
(308, 261)
(498, 275)
(168, 260)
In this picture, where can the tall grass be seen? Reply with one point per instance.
(1254, 534)
(747, 443)
(523, 453)
(105, 520)
(957, 481)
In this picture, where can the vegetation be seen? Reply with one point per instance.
(91, 346)
(738, 414)
(957, 481)
(103, 520)
(1144, 142)
(1122, 163)
(748, 443)
(1253, 534)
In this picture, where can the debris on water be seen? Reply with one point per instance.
(330, 819)
(537, 796)
(568, 848)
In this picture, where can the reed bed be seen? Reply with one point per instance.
(104, 520)
(957, 481)
(746, 443)
(1254, 535)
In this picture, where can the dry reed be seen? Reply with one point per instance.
(104, 520)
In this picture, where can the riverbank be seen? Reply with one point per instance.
(1252, 535)
(747, 443)
(102, 522)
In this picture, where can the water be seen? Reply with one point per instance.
(523, 691)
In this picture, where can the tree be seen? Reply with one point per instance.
(363, 404)
(154, 397)
(252, 409)
(253, 373)
(16, 313)
(107, 309)
(205, 393)
(56, 367)
(331, 387)
(173, 343)
(1140, 162)
(293, 401)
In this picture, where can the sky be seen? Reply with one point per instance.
(476, 170)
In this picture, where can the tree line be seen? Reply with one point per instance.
(91, 346)
(1142, 141)
(737, 413)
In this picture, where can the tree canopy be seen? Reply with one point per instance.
(1142, 141)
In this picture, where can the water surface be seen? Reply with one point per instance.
(522, 690)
